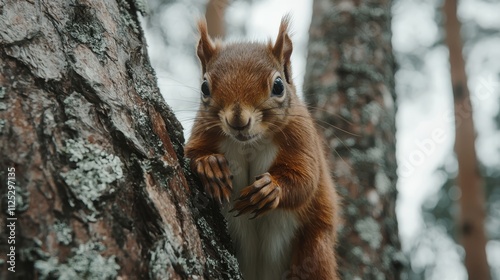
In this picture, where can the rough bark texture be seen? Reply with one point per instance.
(100, 185)
(349, 85)
(472, 204)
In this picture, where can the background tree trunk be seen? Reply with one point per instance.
(350, 85)
(94, 153)
(215, 18)
(472, 205)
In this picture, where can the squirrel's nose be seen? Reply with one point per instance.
(239, 124)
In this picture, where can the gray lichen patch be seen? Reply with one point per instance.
(372, 156)
(382, 183)
(63, 233)
(362, 70)
(360, 254)
(22, 199)
(2, 125)
(95, 171)
(170, 257)
(80, 113)
(86, 29)
(86, 263)
(143, 126)
(165, 258)
(127, 17)
(143, 84)
(141, 117)
(373, 112)
(202, 223)
(223, 261)
(142, 6)
(232, 265)
(160, 266)
(392, 257)
(369, 231)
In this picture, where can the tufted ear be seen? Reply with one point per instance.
(283, 47)
(206, 47)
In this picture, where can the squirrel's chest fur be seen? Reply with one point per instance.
(263, 245)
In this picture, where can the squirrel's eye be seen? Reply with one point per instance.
(278, 88)
(204, 89)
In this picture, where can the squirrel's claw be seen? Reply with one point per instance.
(263, 195)
(215, 176)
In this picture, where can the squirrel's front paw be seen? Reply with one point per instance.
(263, 195)
(215, 176)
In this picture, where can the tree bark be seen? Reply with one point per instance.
(93, 154)
(472, 205)
(349, 85)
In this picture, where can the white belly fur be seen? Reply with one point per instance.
(263, 245)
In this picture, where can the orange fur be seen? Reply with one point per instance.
(241, 110)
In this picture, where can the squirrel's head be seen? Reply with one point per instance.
(247, 87)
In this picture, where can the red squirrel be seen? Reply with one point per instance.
(255, 147)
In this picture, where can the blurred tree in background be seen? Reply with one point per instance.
(472, 212)
(433, 252)
(349, 85)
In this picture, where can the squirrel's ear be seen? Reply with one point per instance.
(206, 47)
(283, 47)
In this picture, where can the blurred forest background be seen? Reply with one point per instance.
(428, 201)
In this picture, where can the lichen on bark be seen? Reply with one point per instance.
(85, 263)
(97, 152)
(94, 173)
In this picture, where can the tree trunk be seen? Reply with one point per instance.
(215, 18)
(349, 85)
(472, 206)
(93, 180)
